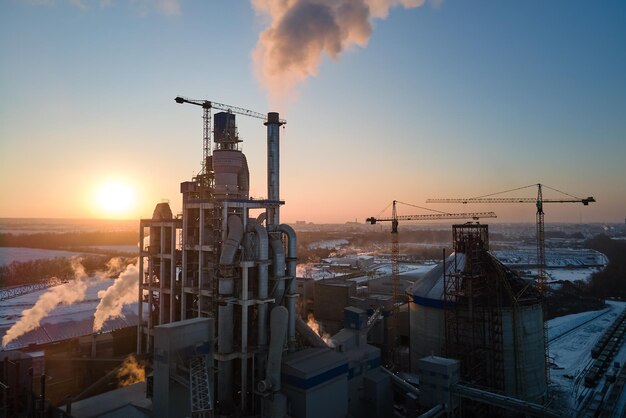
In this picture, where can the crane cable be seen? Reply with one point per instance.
(525, 187)
(428, 209)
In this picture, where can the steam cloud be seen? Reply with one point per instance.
(122, 292)
(68, 293)
(74, 292)
(301, 31)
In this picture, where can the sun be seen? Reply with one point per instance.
(115, 198)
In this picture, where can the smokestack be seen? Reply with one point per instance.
(273, 165)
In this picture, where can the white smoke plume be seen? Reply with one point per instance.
(114, 267)
(302, 31)
(68, 293)
(122, 292)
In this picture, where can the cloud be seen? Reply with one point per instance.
(301, 32)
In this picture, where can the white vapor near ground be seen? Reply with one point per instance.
(67, 293)
(122, 292)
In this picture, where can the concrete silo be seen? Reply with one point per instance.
(473, 308)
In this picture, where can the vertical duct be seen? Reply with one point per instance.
(273, 165)
(225, 310)
(263, 257)
(292, 294)
(278, 271)
(275, 406)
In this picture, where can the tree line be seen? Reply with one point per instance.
(610, 282)
(65, 240)
(27, 272)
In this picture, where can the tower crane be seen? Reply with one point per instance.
(207, 105)
(395, 271)
(538, 201)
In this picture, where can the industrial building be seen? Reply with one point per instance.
(220, 285)
(219, 282)
(220, 315)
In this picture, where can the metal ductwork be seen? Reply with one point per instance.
(263, 256)
(278, 270)
(230, 246)
(275, 406)
(226, 287)
(292, 290)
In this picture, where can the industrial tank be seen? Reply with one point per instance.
(523, 358)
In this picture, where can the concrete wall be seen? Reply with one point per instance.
(174, 344)
(331, 297)
(530, 353)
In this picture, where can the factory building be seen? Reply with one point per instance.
(219, 287)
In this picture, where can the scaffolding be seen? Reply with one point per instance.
(473, 314)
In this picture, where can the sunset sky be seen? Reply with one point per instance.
(448, 99)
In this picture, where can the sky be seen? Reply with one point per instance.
(388, 101)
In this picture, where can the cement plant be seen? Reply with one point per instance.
(226, 319)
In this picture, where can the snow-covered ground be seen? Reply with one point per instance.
(11, 254)
(572, 274)
(329, 244)
(555, 258)
(571, 339)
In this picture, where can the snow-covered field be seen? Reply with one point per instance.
(11, 254)
(571, 274)
(329, 244)
(555, 258)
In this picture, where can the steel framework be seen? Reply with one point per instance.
(15, 291)
(473, 310)
(201, 402)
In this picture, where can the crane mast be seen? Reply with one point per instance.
(395, 253)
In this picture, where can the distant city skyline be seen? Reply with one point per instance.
(449, 99)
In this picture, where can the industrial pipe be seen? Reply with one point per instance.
(292, 292)
(278, 328)
(230, 246)
(262, 290)
(403, 384)
(434, 412)
(225, 311)
(278, 269)
(503, 401)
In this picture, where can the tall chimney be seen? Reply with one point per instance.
(273, 165)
